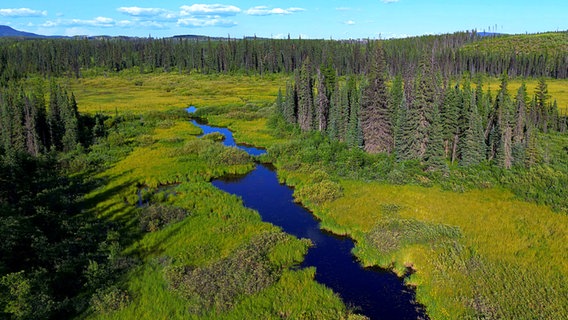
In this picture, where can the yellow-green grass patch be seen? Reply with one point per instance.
(557, 89)
(141, 93)
(508, 259)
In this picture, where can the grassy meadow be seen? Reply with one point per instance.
(476, 253)
(557, 89)
(199, 253)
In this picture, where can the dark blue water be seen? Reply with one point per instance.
(376, 293)
(229, 140)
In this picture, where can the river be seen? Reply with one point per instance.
(373, 292)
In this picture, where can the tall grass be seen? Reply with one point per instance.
(475, 254)
(191, 225)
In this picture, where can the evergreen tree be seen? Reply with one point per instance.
(434, 157)
(449, 114)
(56, 127)
(375, 114)
(531, 151)
(503, 126)
(422, 108)
(68, 109)
(473, 151)
(322, 103)
(305, 97)
(541, 110)
(30, 123)
(396, 96)
(334, 114)
(519, 144)
(290, 104)
(353, 134)
(403, 132)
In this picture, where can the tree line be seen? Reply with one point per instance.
(34, 124)
(452, 55)
(420, 116)
(50, 253)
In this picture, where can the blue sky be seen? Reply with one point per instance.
(337, 19)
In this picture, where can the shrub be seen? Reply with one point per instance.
(392, 234)
(220, 285)
(156, 216)
(320, 192)
(109, 299)
(214, 136)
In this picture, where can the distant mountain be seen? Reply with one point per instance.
(6, 31)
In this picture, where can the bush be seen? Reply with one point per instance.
(392, 234)
(220, 285)
(110, 299)
(214, 136)
(320, 192)
(157, 216)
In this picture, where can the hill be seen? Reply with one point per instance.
(539, 43)
(6, 31)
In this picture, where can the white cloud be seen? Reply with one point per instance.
(141, 12)
(201, 22)
(209, 10)
(389, 1)
(51, 23)
(349, 22)
(96, 22)
(265, 11)
(22, 12)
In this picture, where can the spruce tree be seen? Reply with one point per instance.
(56, 128)
(403, 131)
(290, 104)
(449, 115)
(421, 109)
(541, 111)
(334, 114)
(519, 144)
(322, 103)
(354, 135)
(279, 104)
(435, 157)
(473, 151)
(305, 97)
(30, 123)
(375, 114)
(67, 107)
(504, 120)
(395, 99)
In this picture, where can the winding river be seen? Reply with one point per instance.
(373, 292)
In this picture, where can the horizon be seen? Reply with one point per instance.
(336, 19)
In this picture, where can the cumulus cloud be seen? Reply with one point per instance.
(209, 10)
(201, 22)
(265, 11)
(142, 12)
(22, 12)
(350, 22)
(96, 22)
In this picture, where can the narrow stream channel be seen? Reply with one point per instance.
(373, 292)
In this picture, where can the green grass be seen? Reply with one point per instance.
(136, 93)
(557, 89)
(163, 156)
(475, 253)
